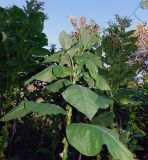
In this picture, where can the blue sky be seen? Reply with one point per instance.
(100, 10)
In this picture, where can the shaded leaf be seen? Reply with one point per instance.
(26, 107)
(101, 83)
(17, 112)
(56, 86)
(104, 119)
(45, 75)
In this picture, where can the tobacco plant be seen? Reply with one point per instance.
(76, 74)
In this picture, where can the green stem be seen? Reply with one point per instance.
(69, 114)
(65, 150)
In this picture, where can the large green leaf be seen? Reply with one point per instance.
(104, 119)
(56, 86)
(26, 107)
(88, 140)
(61, 71)
(65, 40)
(17, 112)
(85, 100)
(45, 75)
(44, 108)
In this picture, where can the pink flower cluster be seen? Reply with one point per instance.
(142, 33)
(92, 27)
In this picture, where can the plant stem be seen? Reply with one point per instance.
(80, 156)
(65, 150)
(98, 157)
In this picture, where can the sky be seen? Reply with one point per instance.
(101, 11)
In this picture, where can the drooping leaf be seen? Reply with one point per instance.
(85, 100)
(65, 40)
(56, 86)
(45, 75)
(104, 119)
(61, 71)
(26, 107)
(17, 112)
(44, 108)
(88, 140)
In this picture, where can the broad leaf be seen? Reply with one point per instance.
(84, 36)
(61, 71)
(65, 40)
(45, 75)
(17, 112)
(104, 119)
(85, 100)
(44, 108)
(88, 140)
(56, 86)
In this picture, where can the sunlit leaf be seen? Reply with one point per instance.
(85, 100)
(65, 40)
(88, 140)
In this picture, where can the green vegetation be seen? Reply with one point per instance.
(81, 102)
